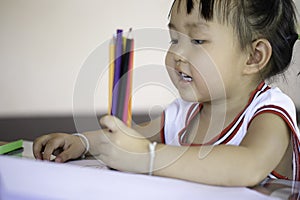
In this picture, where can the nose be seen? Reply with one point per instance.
(179, 54)
(179, 59)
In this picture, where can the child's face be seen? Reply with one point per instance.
(204, 57)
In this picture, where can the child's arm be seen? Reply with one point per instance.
(66, 146)
(150, 131)
(245, 165)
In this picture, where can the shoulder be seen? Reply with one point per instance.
(273, 99)
(277, 100)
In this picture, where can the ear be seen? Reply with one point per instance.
(261, 52)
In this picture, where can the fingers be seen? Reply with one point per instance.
(57, 151)
(66, 155)
(38, 146)
(51, 146)
(47, 145)
(63, 146)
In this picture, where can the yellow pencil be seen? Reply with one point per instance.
(111, 72)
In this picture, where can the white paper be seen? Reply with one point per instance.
(30, 179)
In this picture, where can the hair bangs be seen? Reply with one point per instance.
(207, 8)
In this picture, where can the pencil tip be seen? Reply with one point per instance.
(129, 36)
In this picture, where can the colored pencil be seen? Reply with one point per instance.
(129, 83)
(123, 81)
(118, 61)
(111, 72)
(123, 111)
(120, 76)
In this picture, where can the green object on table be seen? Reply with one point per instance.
(11, 146)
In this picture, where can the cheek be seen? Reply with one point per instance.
(170, 64)
(208, 77)
(205, 68)
(168, 59)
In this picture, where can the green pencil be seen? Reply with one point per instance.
(11, 146)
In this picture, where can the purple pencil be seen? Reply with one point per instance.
(118, 61)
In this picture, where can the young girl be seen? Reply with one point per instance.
(229, 127)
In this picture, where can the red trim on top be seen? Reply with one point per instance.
(279, 176)
(275, 107)
(224, 131)
(296, 146)
(258, 89)
(188, 121)
(234, 132)
(162, 130)
(276, 113)
(181, 132)
(189, 118)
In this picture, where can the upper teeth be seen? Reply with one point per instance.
(185, 76)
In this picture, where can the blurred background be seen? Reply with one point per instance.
(44, 45)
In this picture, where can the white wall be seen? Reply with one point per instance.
(44, 44)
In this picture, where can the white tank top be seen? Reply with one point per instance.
(178, 115)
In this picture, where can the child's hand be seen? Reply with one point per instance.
(123, 148)
(63, 146)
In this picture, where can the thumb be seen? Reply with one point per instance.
(112, 123)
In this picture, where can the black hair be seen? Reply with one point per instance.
(274, 20)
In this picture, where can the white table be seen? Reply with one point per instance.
(26, 178)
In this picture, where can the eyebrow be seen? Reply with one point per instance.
(190, 25)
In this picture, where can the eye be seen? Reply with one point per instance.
(173, 41)
(197, 42)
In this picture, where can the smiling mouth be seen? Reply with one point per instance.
(185, 77)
